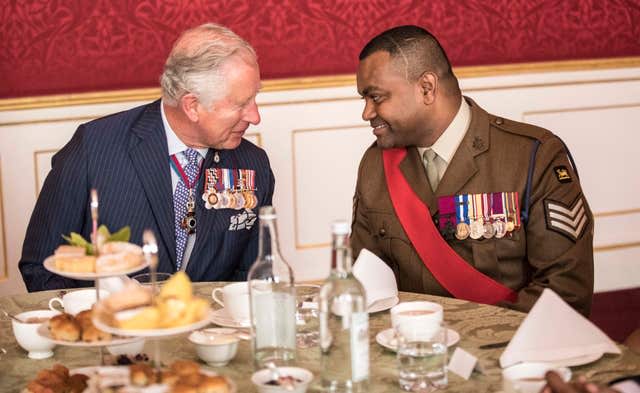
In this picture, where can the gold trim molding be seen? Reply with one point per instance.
(146, 94)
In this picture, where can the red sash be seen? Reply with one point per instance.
(452, 272)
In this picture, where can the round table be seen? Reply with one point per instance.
(477, 325)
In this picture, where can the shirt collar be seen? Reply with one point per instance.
(447, 144)
(174, 144)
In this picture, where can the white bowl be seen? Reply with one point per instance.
(261, 377)
(215, 346)
(132, 348)
(529, 377)
(27, 336)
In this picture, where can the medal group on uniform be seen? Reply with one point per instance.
(477, 216)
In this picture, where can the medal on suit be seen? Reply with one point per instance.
(476, 225)
(498, 217)
(462, 215)
(189, 221)
(488, 230)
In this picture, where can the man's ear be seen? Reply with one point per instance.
(189, 104)
(429, 87)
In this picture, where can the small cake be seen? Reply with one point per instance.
(141, 375)
(185, 367)
(64, 327)
(118, 257)
(213, 384)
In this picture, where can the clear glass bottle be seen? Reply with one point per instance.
(272, 298)
(344, 321)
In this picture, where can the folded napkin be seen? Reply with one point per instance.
(378, 280)
(554, 332)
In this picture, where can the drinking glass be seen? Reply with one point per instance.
(307, 322)
(422, 358)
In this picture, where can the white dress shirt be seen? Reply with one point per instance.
(176, 146)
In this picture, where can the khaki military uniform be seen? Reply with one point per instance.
(554, 250)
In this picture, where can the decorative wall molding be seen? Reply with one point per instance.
(148, 94)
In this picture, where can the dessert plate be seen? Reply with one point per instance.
(172, 331)
(44, 332)
(50, 265)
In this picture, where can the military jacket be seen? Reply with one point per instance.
(552, 250)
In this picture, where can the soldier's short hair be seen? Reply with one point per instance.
(415, 48)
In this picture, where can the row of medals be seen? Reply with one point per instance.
(478, 228)
(230, 199)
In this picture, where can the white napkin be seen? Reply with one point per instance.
(377, 278)
(553, 332)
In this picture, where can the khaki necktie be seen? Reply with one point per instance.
(430, 159)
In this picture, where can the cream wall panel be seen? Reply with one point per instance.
(315, 139)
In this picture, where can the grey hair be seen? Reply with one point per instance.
(193, 66)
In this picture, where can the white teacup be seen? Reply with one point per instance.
(529, 377)
(235, 299)
(77, 301)
(27, 336)
(417, 318)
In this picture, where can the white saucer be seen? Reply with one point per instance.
(222, 318)
(387, 339)
(383, 304)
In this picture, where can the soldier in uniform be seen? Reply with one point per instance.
(460, 202)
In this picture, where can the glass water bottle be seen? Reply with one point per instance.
(272, 298)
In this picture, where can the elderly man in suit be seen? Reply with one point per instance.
(460, 202)
(178, 166)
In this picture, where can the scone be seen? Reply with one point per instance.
(213, 384)
(185, 367)
(64, 327)
(168, 377)
(141, 375)
(90, 333)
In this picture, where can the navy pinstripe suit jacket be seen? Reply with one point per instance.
(125, 157)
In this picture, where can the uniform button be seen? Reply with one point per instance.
(499, 121)
(382, 232)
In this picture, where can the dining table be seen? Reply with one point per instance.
(484, 331)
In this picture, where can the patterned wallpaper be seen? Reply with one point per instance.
(65, 46)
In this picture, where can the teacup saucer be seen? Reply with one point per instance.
(387, 339)
(222, 318)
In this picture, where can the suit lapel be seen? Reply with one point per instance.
(463, 165)
(150, 157)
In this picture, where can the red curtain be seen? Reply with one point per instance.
(51, 47)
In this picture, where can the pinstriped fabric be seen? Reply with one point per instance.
(124, 156)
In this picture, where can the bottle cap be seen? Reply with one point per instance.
(340, 227)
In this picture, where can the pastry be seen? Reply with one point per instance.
(180, 388)
(64, 327)
(168, 377)
(132, 296)
(90, 333)
(76, 264)
(145, 319)
(118, 257)
(141, 375)
(213, 384)
(185, 367)
(57, 380)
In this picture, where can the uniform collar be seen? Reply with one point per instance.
(447, 144)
